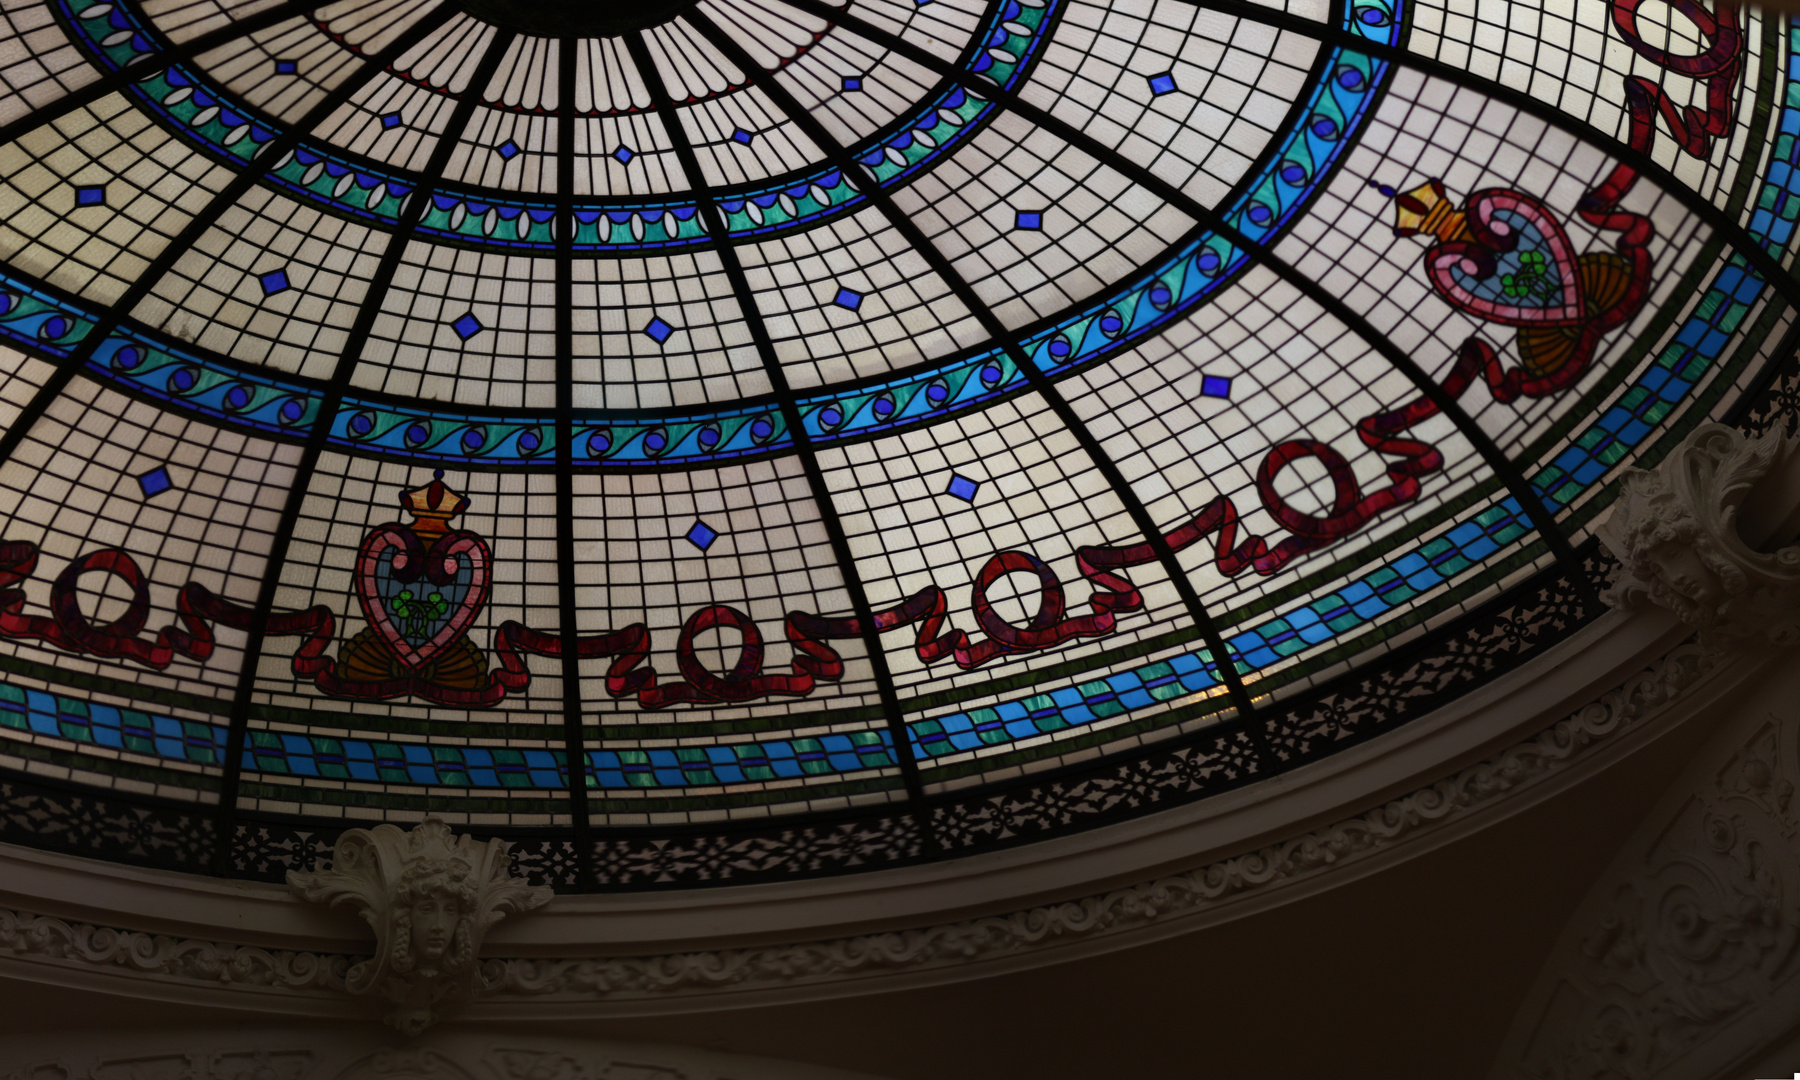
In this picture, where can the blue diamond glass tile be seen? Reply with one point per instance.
(90, 195)
(962, 487)
(848, 299)
(743, 137)
(286, 67)
(1218, 386)
(701, 535)
(658, 330)
(1162, 84)
(624, 154)
(1030, 219)
(509, 149)
(467, 326)
(155, 482)
(273, 282)
(389, 121)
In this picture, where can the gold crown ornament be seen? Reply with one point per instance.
(433, 505)
(1427, 209)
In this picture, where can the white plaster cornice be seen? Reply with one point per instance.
(1658, 697)
(1578, 670)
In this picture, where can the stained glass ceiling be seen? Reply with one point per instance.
(721, 440)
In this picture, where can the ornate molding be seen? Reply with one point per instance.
(1682, 960)
(42, 937)
(1302, 858)
(431, 896)
(1676, 533)
(214, 1054)
(1138, 906)
(1693, 929)
(228, 1065)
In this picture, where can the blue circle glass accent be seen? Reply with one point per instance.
(8, 301)
(530, 442)
(883, 406)
(1111, 325)
(761, 428)
(599, 443)
(128, 358)
(1160, 297)
(1260, 214)
(1372, 16)
(474, 439)
(657, 441)
(709, 436)
(54, 327)
(183, 378)
(1208, 261)
(291, 411)
(1060, 347)
(1294, 173)
(990, 375)
(1351, 79)
(238, 397)
(937, 393)
(831, 416)
(361, 424)
(1325, 128)
(417, 432)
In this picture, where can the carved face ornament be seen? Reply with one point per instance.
(430, 896)
(434, 919)
(1682, 569)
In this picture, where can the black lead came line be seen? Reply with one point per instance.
(1042, 384)
(1542, 519)
(332, 398)
(181, 242)
(1736, 236)
(574, 743)
(790, 412)
(144, 67)
(178, 246)
(1665, 181)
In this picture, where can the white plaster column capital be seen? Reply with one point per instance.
(430, 897)
(1690, 536)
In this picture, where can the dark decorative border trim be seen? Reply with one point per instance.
(1573, 738)
(1411, 682)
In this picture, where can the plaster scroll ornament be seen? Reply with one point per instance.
(431, 897)
(1680, 533)
(1687, 938)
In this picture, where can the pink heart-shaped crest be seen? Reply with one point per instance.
(1519, 270)
(421, 600)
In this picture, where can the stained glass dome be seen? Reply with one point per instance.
(725, 440)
